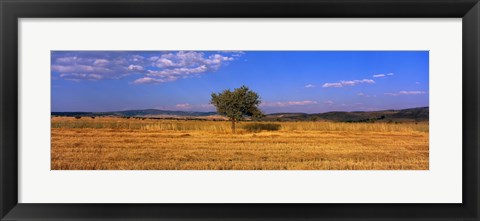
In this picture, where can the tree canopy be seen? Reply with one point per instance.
(237, 104)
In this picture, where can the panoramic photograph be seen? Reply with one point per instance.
(239, 110)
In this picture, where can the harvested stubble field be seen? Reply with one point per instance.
(134, 144)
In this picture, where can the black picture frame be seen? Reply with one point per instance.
(11, 10)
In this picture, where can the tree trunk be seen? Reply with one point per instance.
(233, 126)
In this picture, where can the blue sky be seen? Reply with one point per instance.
(287, 81)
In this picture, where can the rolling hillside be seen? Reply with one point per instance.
(412, 114)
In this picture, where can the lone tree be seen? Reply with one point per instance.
(237, 104)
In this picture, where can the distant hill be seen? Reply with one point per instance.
(412, 114)
(135, 113)
(153, 112)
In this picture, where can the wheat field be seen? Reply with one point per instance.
(108, 143)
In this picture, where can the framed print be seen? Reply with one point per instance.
(239, 110)
(201, 130)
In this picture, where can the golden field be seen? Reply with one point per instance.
(107, 143)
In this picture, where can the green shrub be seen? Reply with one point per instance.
(257, 127)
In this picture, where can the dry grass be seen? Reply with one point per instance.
(134, 144)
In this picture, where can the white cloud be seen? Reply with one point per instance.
(411, 92)
(287, 103)
(100, 62)
(95, 76)
(66, 60)
(363, 94)
(332, 85)
(391, 94)
(383, 75)
(186, 64)
(183, 106)
(188, 107)
(191, 59)
(148, 80)
(77, 69)
(165, 63)
(329, 102)
(153, 58)
(137, 58)
(206, 105)
(234, 53)
(133, 67)
(154, 67)
(309, 86)
(349, 83)
(178, 71)
(77, 76)
(406, 93)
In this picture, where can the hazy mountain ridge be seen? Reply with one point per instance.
(410, 114)
(134, 113)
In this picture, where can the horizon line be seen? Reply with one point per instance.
(193, 111)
